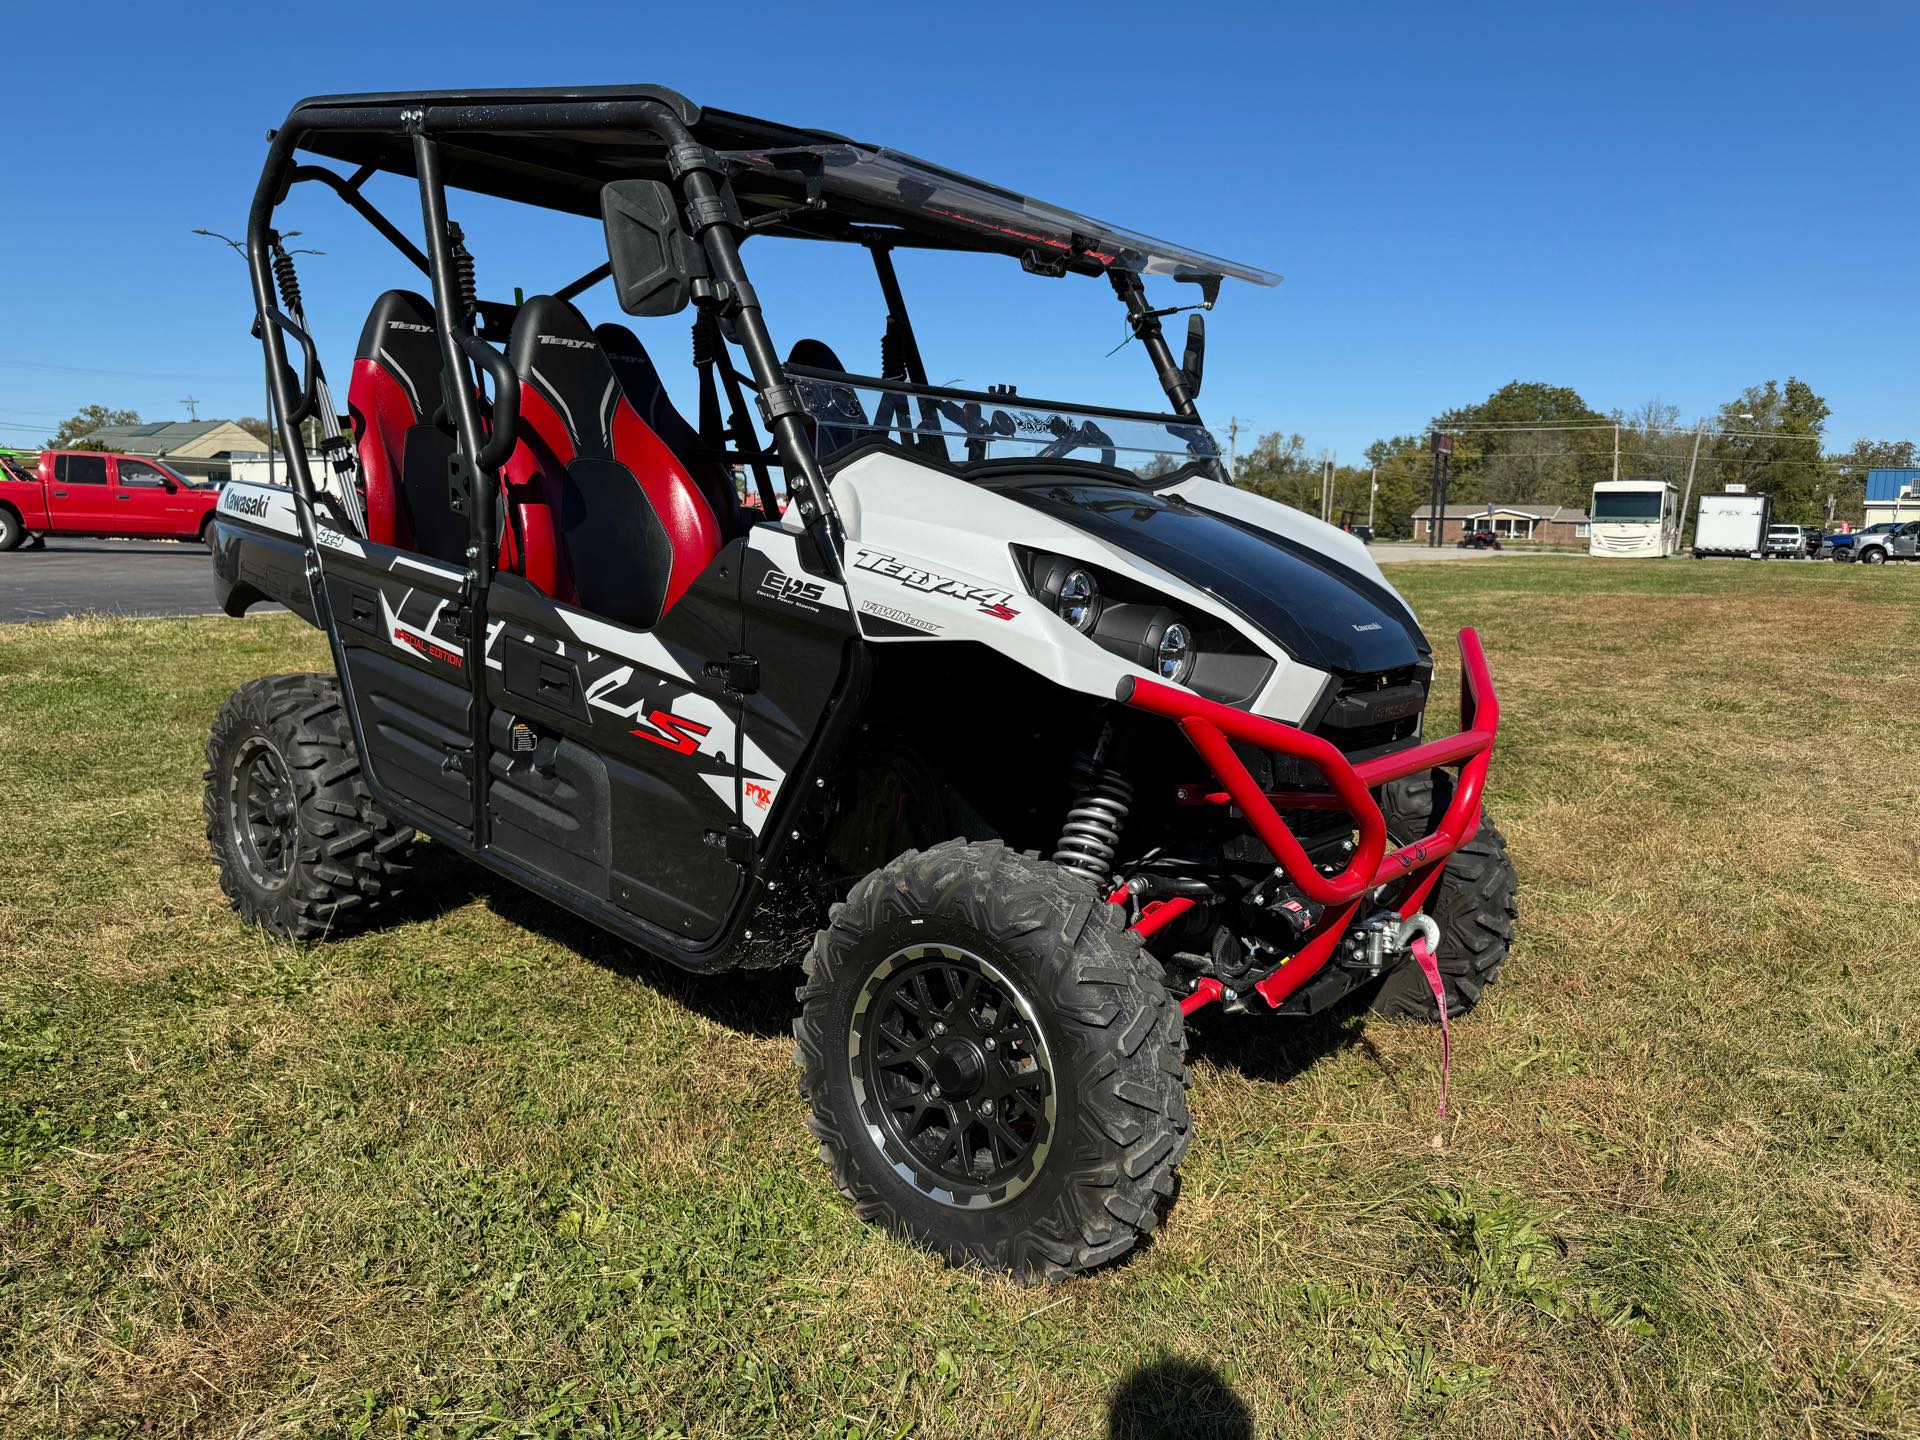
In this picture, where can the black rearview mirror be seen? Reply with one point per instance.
(655, 261)
(1193, 363)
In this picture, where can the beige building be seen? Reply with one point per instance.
(200, 449)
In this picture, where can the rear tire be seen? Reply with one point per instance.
(304, 851)
(1052, 1147)
(12, 532)
(206, 532)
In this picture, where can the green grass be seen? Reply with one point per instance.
(486, 1173)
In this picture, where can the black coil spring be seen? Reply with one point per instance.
(286, 279)
(463, 273)
(704, 334)
(1091, 835)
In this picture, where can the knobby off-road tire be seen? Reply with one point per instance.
(303, 849)
(1066, 1034)
(1475, 904)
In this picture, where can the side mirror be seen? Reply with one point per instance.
(1193, 364)
(655, 261)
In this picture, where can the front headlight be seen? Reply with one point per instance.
(1176, 653)
(1070, 589)
(1147, 628)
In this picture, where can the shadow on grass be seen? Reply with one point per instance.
(1277, 1048)
(1175, 1399)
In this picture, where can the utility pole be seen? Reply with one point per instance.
(1326, 488)
(1373, 492)
(1233, 443)
(192, 412)
(1616, 452)
(1686, 499)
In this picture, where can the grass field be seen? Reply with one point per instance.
(485, 1173)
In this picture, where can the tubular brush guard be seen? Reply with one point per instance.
(1211, 727)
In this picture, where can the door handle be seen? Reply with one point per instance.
(123, 497)
(59, 494)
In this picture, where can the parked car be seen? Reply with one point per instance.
(83, 492)
(1479, 540)
(1362, 533)
(1841, 546)
(1894, 540)
(1790, 542)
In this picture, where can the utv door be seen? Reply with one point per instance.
(615, 754)
(404, 655)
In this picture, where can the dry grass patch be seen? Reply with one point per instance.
(484, 1173)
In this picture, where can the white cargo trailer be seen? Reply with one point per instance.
(1734, 523)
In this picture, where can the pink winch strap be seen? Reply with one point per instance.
(1430, 968)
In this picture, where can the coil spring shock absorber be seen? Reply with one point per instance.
(1091, 834)
(463, 274)
(285, 278)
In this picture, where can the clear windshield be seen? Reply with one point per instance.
(959, 427)
(1626, 504)
(890, 180)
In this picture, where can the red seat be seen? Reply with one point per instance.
(394, 400)
(633, 529)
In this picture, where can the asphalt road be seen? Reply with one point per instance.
(108, 577)
(162, 577)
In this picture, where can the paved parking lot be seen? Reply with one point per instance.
(162, 577)
(109, 577)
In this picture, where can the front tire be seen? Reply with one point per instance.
(1475, 905)
(995, 1067)
(12, 531)
(1874, 556)
(304, 851)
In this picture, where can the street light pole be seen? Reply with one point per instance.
(273, 418)
(1687, 499)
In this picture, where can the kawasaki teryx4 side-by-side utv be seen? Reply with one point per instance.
(1014, 718)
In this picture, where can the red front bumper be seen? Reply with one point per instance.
(1211, 726)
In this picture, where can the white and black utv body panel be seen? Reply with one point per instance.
(779, 730)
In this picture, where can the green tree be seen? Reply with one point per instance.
(1776, 447)
(1278, 468)
(1847, 472)
(1512, 451)
(83, 422)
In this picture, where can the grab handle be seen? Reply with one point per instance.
(503, 434)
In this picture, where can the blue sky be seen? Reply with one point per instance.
(1637, 200)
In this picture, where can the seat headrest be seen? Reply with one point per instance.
(399, 337)
(553, 349)
(815, 355)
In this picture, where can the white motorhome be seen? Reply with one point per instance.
(1633, 518)
(1733, 523)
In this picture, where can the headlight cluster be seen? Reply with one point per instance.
(1145, 627)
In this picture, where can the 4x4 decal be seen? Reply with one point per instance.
(991, 602)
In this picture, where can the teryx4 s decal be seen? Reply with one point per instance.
(676, 732)
(991, 602)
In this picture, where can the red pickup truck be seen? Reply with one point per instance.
(82, 492)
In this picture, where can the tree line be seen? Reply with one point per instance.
(1537, 445)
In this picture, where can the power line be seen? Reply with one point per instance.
(123, 374)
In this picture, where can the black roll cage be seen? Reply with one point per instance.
(698, 174)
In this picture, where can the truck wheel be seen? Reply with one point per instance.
(995, 1067)
(206, 531)
(1873, 555)
(12, 532)
(303, 849)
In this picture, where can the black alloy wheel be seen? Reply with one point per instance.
(953, 1075)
